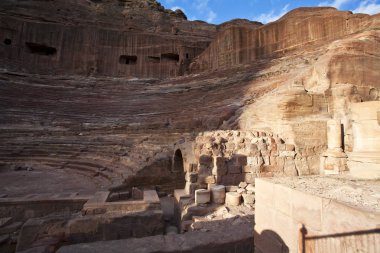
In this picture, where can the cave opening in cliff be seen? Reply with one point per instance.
(170, 57)
(128, 59)
(8, 42)
(40, 49)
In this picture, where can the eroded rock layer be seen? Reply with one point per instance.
(106, 38)
(246, 42)
(291, 79)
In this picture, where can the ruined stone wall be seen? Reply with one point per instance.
(193, 242)
(230, 157)
(300, 27)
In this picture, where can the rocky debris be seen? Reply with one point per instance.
(249, 199)
(250, 188)
(243, 185)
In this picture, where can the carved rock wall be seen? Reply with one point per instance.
(300, 27)
(131, 39)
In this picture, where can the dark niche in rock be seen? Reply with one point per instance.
(40, 49)
(128, 59)
(170, 57)
(8, 42)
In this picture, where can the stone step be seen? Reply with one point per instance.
(11, 228)
(5, 221)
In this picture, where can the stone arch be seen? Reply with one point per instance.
(178, 161)
(178, 170)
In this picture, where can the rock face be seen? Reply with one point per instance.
(101, 38)
(243, 43)
(258, 107)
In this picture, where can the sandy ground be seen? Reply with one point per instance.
(363, 194)
(42, 181)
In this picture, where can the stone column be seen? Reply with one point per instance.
(334, 135)
(334, 160)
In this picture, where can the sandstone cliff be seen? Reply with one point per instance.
(304, 26)
(102, 38)
(270, 88)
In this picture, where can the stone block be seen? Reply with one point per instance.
(265, 192)
(218, 194)
(340, 218)
(290, 168)
(288, 230)
(252, 161)
(282, 202)
(191, 177)
(206, 160)
(190, 188)
(249, 169)
(220, 168)
(202, 196)
(302, 166)
(204, 179)
(287, 153)
(231, 188)
(266, 160)
(240, 160)
(251, 188)
(243, 185)
(234, 169)
(249, 178)
(232, 179)
(262, 145)
(192, 167)
(307, 209)
(290, 147)
(137, 194)
(233, 199)
(253, 150)
(204, 170)
(249, 199)
(209, 186)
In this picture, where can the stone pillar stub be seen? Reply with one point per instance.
(218, 194)
(334, 140)
(333, 160)
(202, 196)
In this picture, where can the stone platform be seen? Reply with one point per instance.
(317, 214)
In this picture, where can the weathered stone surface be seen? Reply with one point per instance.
(231, 188)
(249, 199)
(86, 91)
(233, 199)
(218, 194)
(202, 196)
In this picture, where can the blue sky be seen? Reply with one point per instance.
(219, 11)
